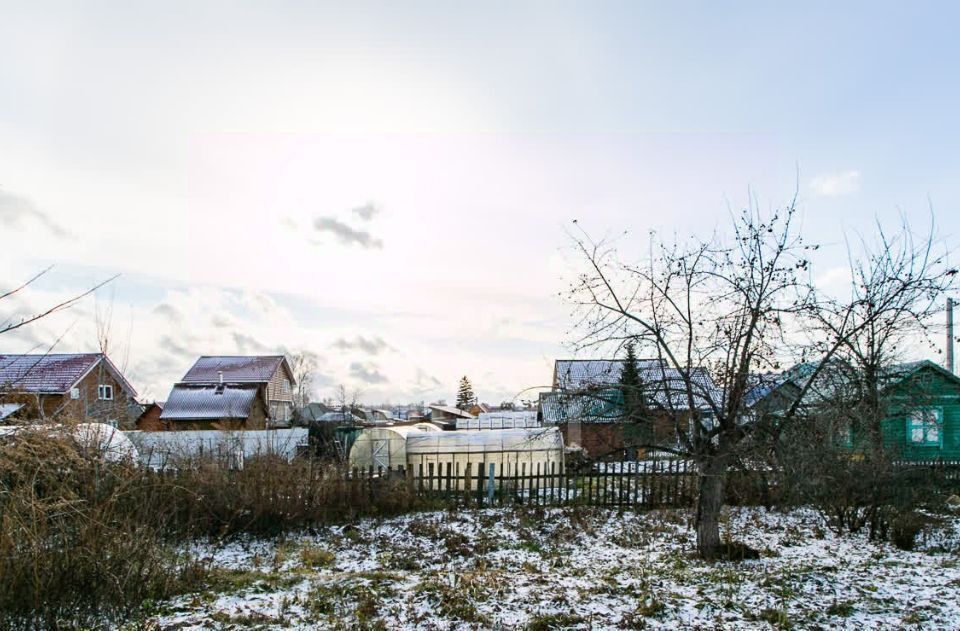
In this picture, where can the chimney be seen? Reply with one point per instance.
(220, 374)
(950, 334)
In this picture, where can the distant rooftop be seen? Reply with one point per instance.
(208, 402)
(235, 369)
(52, 373)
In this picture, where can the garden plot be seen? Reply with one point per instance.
(576, 569)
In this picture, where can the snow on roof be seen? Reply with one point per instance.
(500, 420)
(453, 411)
(663, 385)
(189, 402)
(236, 369)
(488, 441)
(52, 373)
(6, 409)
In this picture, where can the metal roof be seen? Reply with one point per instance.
(452, 411)
(664, 386)
(209, 402)
(53, 373)
(236, 369)
(6, 409)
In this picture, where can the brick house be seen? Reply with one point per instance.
(230, 392)
(82, 386)
(587, 405)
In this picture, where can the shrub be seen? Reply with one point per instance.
(904, 529)
(83, 542)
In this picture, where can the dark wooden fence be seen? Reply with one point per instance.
(651, 484)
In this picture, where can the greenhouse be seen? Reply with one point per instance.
(385, 447)
(426, 451)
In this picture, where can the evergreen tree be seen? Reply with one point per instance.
(635, 412)
(465, 396)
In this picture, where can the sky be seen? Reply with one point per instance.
(391, 186)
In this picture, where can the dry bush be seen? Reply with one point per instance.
(72, 552)
(85, 543)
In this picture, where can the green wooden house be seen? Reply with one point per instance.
(922, 403)
(924, 412)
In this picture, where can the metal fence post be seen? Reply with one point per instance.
(490, 485)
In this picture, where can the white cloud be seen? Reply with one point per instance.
(834, 184)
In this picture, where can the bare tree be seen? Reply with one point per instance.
(13, 322)
(709, 314)
(898, 280)
(304, 366)
(347, 401)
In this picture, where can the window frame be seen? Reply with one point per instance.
(102, 390)
(918, 421)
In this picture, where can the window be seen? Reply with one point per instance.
(286, 386)
(923, 426)
(845, 436)
(105, 392)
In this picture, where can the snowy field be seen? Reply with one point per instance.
(563, 569)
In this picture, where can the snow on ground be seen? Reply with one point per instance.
(576, 569)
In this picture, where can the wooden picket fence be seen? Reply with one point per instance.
(648, 484)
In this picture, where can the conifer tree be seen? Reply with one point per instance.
(635, 415)
(465, 396)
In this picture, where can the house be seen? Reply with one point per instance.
(230, 392)
(312, 412)
(149, 419)
(446, 416)
(479, 408)
(587, 404)
(271, 372)
(223, 406)
(921, 401)
(84, 386)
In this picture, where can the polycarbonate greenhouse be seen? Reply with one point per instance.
(385, 447)
(430, 452)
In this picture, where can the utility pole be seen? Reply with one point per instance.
(950, 334)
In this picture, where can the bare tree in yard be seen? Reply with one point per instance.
(710, 313)
(14, 322)
(304, 366)
(896, 289)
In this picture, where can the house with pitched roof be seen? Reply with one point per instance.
(921, 402)
(587, 404)
(82, 386)
(231, 392)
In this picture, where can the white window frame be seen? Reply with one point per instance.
(286, 386)
(925, 427)
(103, 390)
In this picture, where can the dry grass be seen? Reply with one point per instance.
(84, 543)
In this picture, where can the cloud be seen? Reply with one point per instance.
(367, 373)
(170, 345)
(346, 234)
(367, 211)
(14, 209)
(247, 344)
(424, 380)
(169, 312)
(371, 346)
(835, 184)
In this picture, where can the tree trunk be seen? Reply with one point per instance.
(713, 480)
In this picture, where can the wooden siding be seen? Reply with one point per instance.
(256, 420)
(929, 389)
(89, 407)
